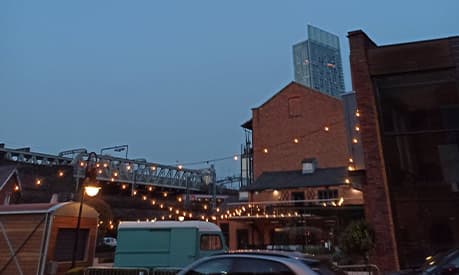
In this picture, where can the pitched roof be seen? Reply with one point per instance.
(296, 179)
(248, 123)
(305, 88)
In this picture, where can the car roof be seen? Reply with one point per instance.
(289, 261)
(279, 253)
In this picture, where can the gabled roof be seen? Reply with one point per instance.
(293, 83)
(296, 179)
(6, 173)
(248, 123)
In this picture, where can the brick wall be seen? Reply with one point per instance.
(378, 210)
(302, 113)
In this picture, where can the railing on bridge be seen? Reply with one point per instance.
(139, 172)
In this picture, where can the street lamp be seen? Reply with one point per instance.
(89, 188)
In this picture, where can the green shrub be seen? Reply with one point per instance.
(357, 240)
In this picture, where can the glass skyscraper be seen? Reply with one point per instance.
(317, 62)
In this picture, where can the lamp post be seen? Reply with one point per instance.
(91, 189)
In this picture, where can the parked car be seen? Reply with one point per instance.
(320, 265)
(443, 263)
(261, 262)
(109, 241)
(446, 263)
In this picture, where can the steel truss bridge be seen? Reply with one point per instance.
(115, 169)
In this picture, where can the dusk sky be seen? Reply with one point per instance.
(172, 79)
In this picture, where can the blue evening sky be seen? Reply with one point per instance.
(172, 79)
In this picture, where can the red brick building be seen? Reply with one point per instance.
(292, 126)
(302, 194)
(408, 101)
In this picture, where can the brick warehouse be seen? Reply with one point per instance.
(302, 113)
(302, 194)
(408, 98)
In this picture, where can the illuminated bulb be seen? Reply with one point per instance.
(265, 150)
(100, 171)
(202, 217)
(128, 167)
(150, 188)
(341, 200)
(324, 204)
(190, 215)
(351, 160)
(162, 218)
(134, 192)
(97, 165)
(179, 199)
(218, 209)
(347, 181)
(61, 174)
(214, 218)
(326, 128)
(153, 168)
(153, 202)
(177, 212)
(350, 168)
(161, 206)
(235, 157)
(357, 128)
(144, 198)
(354, 140)
(295, 140)
(184, 213)
(16, 188)
(115, 174)
(105, 165)
(180, 167)
(81, 163)
(123, 186)
(357, 113)
(333, 203)
(38, 182)
(165, 194)
(181, 218)
(170, 208)
(205, 206)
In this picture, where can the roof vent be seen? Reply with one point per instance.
(309, 165)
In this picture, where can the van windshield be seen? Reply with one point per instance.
(210, 242)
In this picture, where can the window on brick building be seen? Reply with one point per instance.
(294, 107)
(327, 194)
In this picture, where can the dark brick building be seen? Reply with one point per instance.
(408, 104)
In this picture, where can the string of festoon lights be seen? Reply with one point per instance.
(176, 209)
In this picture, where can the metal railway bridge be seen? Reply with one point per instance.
(115, 169)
